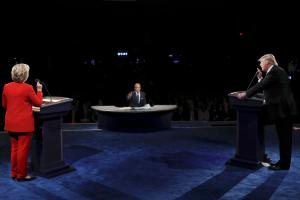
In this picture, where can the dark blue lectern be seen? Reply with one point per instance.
(250, 148)
(47, 158)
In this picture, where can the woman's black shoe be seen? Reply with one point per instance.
(27, 178)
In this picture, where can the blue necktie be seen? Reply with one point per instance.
(138, 96)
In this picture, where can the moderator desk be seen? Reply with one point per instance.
(149, 118)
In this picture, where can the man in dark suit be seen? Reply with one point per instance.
(136, 98)
(279, 105)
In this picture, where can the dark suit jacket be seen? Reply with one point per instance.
(133, 101)
(18, 99)
(278, 98)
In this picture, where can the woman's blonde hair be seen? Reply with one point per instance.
(20, 73)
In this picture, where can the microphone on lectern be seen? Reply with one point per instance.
(252, 80)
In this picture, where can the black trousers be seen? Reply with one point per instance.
(284, 128)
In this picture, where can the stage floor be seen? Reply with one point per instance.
(185, 162)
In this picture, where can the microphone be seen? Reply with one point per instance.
(37, 80)
(252, 80)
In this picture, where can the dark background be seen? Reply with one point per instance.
(176, 49)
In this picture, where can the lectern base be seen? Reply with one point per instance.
(49, 173)
(244, 163)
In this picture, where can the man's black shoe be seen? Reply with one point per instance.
(266, 159)
(276, 167)
(275, 164)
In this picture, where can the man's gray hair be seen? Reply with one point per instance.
(268, 57)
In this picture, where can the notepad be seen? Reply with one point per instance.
(124, 108)
(53, 100)
(36, 109)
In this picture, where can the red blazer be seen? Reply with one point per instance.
(18, 99)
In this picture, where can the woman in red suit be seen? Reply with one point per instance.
(18, 98)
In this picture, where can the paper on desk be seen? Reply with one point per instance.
(36, 109)
(124, 108)
(53, 100)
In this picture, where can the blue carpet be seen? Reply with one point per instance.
(184, 163)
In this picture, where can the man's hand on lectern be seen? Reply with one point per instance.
(241, 95)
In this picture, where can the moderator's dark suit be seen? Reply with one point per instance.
(279, 107)
(134, 101)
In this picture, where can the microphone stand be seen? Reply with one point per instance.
(48, 92)
(251, 81)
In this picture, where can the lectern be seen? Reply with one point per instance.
(47, 157)
(250, 147)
